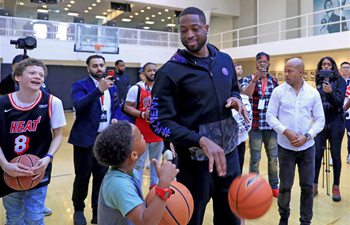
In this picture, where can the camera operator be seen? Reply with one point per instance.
(331, 87)
(345, 72)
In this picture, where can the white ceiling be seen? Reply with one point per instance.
(57, 12)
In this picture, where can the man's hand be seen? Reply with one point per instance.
(215, 155)
(104, 84)
(291, 135)
(237, 104)
(300, 141)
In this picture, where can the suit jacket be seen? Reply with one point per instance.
(86, 101)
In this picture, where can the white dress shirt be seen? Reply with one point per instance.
(301, 113)
(106, 106)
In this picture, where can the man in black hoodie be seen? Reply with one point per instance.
(192, 100)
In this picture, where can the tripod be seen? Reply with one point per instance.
(325, 160)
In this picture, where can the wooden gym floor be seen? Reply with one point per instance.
(326, 212)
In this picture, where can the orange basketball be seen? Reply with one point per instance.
(23, 183)
(250, 196)
(179, 207)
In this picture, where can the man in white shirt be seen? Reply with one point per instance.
(295, 112)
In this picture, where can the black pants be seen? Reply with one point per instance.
(305, 160)
(241, 152)
(204, 186)
(334, 133)
(84, 164)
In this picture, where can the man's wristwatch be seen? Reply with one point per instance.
(164, 193)
(308, 136)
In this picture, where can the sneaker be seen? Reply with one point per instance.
(348, 159)
(315, 189)
(275, 192)
(283, 222)
(47, 211)
(336, 193)
(79, 218)
(330, 161)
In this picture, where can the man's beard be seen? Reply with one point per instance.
(98, 76)
(149, 79)
(197, 48)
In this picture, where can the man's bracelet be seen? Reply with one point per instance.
(49, 155)
(140, 114)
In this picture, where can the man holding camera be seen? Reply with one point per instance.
(259, 87)
(95, 100)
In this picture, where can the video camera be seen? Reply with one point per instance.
(24, 43)
(324, 76)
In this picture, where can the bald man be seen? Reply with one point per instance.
(292, 108)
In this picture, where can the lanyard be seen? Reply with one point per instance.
(102, 98)
(263, 87)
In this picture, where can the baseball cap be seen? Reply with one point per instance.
(19, 58)
(262, 55)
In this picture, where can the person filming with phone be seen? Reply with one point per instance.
(332, 87)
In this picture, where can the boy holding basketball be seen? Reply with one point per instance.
(120, 201)
(295, 112)
(28, 117)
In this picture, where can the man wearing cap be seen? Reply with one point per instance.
(259, 87)
(8, 85)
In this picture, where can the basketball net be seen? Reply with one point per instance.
(98, 48)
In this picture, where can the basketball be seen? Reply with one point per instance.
(250, 196)
(23, 183)
(179, 207)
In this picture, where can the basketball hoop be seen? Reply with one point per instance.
(98, 48)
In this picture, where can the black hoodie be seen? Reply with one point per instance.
(189, 102)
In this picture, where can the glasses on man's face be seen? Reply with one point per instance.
(345, 67)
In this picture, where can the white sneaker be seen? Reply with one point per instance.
(47, 211)
(330, 161)
(348, 159)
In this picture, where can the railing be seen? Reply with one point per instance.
(310, 24)
(87, 36)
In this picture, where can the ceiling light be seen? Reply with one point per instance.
(66, 9)
(166, 10)
(171, 25)
(54, 10)
(159, 13)
(21, 3)
(72, 2)
(146, 28)
(147, 18)
(73, 14)
(126, 20)
(136, 14)
(86, 11)
(104, 13)
(98, 0)
(42, 10)
(169, 18)
(142, 10)
(100, 17)
(174, 15)
(148, 7)
(69, 5)
(45, 6)
(93, 4)
(149, 22)
(89, 8)
(109, 10)
(131, 16)
(153, 15)
(162, 20)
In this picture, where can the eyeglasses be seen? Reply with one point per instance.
(345, 67)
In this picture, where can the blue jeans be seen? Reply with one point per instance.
(25, 208)
(269, 138)
(154, 150)
(306, 163)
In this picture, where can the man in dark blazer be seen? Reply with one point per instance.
(95, 100)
